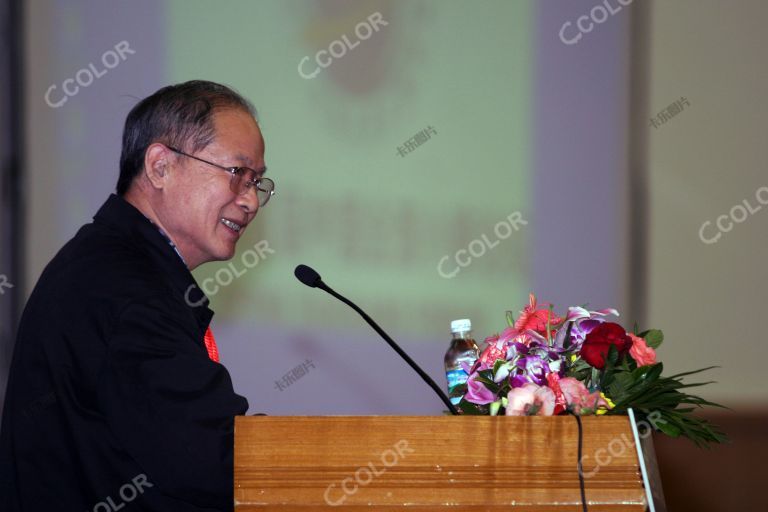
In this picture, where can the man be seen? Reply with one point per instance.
(115, 399)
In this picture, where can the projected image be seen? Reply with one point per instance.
(398, 136)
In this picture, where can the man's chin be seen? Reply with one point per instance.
(223, 255)
(227, 256)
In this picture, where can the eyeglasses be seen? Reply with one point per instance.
(265, 187)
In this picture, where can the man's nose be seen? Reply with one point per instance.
(247, 200)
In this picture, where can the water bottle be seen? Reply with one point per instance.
(463, 349)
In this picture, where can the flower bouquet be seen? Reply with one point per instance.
(543, 364)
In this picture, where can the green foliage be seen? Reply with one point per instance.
(653, 338)
(471, 409)
(646, 391)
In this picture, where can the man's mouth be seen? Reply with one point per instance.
(234, 226)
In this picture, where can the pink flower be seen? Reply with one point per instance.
(573, 390)
(530, 400)
(494, 349)
(578, 397)
(641, 352)
(477, 392)
(535, 319)
(514, 335)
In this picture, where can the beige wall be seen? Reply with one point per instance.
(40, 204)
(711, 300)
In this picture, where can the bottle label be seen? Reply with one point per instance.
(455, 378)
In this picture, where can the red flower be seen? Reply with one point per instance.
(536, 319)
(597, 343)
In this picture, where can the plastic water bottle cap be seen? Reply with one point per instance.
(462, 325)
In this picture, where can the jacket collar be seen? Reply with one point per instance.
(122, 216)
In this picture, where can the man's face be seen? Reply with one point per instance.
(199, 206)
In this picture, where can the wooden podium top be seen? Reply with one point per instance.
(434, 462)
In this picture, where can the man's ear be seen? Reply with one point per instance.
(156, 164)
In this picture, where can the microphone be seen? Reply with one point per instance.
(311, 278)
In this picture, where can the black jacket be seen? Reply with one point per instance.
(112, 402)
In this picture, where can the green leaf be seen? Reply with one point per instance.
(471, 409)
(485, 375)
(613, 356)
(595, 378)
(510, 319)
(549, 324)
(653, 372)
(653, 338)
(669, 428)
(610, 362)
(459, 390)
(692, 372)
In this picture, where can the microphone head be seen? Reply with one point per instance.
(307, 275)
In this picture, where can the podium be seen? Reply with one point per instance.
(425, 463)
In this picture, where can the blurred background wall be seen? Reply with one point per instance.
(588, 165)
(708, 237)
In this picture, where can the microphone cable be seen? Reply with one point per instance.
(578, 463)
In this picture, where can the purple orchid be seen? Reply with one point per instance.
(581, 322)
(477, 392)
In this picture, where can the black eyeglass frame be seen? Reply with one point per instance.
(234, 184)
